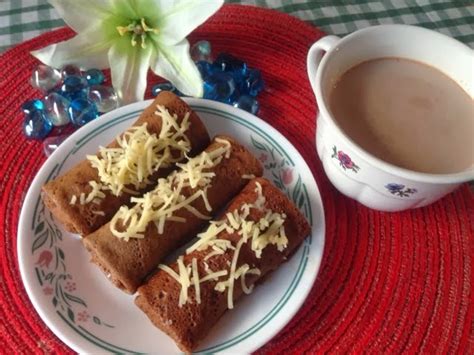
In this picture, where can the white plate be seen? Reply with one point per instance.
(85, 311)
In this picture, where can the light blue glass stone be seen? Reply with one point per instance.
(50, 144)
(82, 111)
(70, 70)
(32, 105)
(219, 86)
(162, 87)
(201, 51)
(56, 107)
(94, 76)
(247, 103)
(45, 78)
(73, 87)
(36, 125)
(104, 97)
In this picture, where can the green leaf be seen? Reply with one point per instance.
(39, 228)
(96, 320)
(278, 184)
(39, 241)
(301, 201)
(61, 253)
(297, 190)
(74, 299)
(258, 145)
(59, 234)
(70, 314)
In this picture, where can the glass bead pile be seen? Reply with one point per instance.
(226, 79)
(71, 98)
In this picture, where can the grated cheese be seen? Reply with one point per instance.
(248, 176)
(196, 281)
(139, 154)
(268, 230)
(159, 205)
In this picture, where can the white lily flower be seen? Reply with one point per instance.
(130, 36)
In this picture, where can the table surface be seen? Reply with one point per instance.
(388, 281)
(24, 19)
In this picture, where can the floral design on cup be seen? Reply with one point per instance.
(400, 190)
(344, 160)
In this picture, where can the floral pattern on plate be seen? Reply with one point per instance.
(51, 270)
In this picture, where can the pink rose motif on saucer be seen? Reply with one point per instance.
(287, 176)
(45, 258)
(344, 160)
(48, 290)
(83, 316)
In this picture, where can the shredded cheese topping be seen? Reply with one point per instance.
(248, 176)
(159, 205)
(139, 154)
(268, 230)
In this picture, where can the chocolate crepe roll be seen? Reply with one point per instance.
(128, 257)
(259, 230)
(62, 195)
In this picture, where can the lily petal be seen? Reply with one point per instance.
(184, 17)
(175, 64)
(79, 50)
(129, 68)
(81, 15)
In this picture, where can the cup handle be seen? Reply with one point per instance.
(315, 55)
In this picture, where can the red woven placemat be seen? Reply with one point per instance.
(388, 282)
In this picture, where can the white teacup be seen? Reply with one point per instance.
(352, 170)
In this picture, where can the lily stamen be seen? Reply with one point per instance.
(137, 29)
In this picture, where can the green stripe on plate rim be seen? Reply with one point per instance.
(301, 266)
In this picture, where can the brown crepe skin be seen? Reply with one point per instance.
(189, 324)
(79, 218)
(129, 262)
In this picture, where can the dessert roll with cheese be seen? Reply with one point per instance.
(260, 229)
(137, 238)
(89, 194)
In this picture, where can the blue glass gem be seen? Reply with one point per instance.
(201, 51)
(162, 87)
(73, 86)
(32, 105)
(253, 83)
(50, 144)
(70, 70)
(45, 78)
(94, 76)
(56, 107)
(247, 103)
(104, 97)
(36, 125)
(82, 111)
(73, 83)
(229, 63)
(219, 86)
(204, 68)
